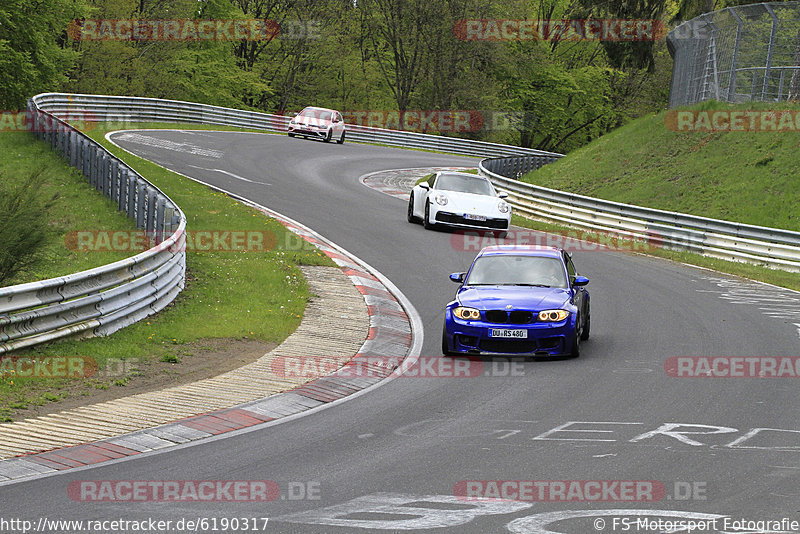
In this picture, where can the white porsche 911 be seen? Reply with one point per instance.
(459, 200)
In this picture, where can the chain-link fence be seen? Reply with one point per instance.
(737, 54)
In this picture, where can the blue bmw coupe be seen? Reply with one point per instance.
(526, 300)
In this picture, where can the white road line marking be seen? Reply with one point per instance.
(228, 173)
(188, 148)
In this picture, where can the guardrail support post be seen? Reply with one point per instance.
(130, 198)
(122, 187)
(115, 181)
(92, 164)
(159, 222)
(150, 212)
(89, 150)
(73, 156)
(63, 146)
(98, 168)
(107, 178)
(102, 183)
(141, 193)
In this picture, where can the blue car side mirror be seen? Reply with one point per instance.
(457, 277)
(580, 281)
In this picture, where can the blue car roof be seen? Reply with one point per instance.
(521, 250)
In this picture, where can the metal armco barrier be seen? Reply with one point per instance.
(101, 300)
(135, 109)
(775, 248)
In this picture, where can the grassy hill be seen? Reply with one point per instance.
(744, 176)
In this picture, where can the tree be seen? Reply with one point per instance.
(398, 31)
(34, 52)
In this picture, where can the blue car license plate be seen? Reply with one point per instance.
(508, 333)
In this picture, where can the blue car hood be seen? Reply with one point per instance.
(520, 297)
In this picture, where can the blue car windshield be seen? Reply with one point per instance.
(463, 184)
(508, 270)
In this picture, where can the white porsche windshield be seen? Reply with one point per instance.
(463, 184)
(517, 270)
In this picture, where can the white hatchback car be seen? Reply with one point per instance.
(459, 200)
(320, 123)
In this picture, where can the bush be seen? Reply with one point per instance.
(23, 224)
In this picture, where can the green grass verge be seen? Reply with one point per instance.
(741, 176)
(244, 295)
(77, 206)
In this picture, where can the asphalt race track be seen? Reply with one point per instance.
(393, 459)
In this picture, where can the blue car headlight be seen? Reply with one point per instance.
(467, 314)
(553, 316)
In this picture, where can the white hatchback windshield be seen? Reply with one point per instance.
(316, 114)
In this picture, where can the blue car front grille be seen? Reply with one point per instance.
(508, 317)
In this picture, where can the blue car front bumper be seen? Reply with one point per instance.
(541, 338)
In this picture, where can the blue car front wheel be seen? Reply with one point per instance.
(576, 339)
(587, 324)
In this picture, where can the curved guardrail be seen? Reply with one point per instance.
(101, 300)
(771, 247)
(137, 109)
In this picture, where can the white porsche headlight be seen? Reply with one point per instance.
(503, 207)
(441, 199)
